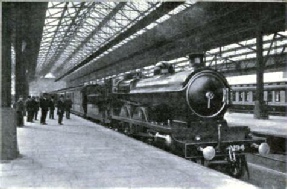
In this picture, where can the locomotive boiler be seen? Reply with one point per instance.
(186, 111)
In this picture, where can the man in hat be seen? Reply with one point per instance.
(44, 105)
(61, 109)
(30, 109)
(68, 106)
(36, 107)
(52, 108)
(20, 111)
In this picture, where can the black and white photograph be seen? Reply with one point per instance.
(143, 94)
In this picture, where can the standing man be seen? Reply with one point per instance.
(68, 106)
(20, 111)
(36, 107)
(30, 109)
(61, 109)
(44, 105)
(52, 108)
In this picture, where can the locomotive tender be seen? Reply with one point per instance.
(185, 110)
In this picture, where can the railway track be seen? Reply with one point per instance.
(267, 171)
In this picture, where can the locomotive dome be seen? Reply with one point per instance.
(206, 93)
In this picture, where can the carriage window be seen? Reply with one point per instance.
(242, 96)
(277, 96)
(233, 96)
(246, 96)
(249, 96)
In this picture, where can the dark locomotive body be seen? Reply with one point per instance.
(184, 110)
(182, 97)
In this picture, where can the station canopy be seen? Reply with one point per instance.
(75, 30)
(92, 40)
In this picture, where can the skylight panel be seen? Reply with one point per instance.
(49, 35)
(281, 43)
(49, 29)
(267, 45)
(71, 4)
(268, 37)
(71, 12)
(54, 13)
(213, 50)
(91, 21)
(150, 26)
(163, 18)
(231, 46)
(51, 21)
(50, 4)
(96, 14)
(177, 9)
(58, 5)
(283, 33)
(141, 6)
(102, 11)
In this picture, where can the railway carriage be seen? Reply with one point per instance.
(243, 97)
(75, 94)
(97, 102)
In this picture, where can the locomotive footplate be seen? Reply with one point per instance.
(160, 128)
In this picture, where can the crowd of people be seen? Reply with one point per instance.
(31, 106)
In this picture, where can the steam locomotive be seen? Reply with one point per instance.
(183, 110)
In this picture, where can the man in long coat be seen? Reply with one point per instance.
(61, 109)
(30, 109)
(44, 105)
(20, 111)
(68, 106)
(52, 108)
(36, 107)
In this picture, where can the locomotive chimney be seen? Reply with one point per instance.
(196, 60)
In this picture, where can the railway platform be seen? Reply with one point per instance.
(82, 154)
(274, 126)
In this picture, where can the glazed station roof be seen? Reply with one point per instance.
(84, 41)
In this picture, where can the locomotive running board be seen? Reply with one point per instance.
(143, 123)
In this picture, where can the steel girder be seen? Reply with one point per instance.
(69, 37)
(156, 14)
(200, 28)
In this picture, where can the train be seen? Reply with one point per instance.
(183, 110)
(243, 97)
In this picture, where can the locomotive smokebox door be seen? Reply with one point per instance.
(196, 60)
